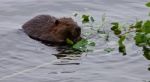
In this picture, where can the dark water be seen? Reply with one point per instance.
(25, 60)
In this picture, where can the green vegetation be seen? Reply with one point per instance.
(148, 4)
(140, 31)
(84, 43)
(81, 46)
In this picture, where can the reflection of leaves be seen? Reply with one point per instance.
(92, 19)
(122, 48)
(149, 68)
(109, 49)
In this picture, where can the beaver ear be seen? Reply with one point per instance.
(57, 22)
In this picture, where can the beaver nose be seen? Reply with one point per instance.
(78, 29)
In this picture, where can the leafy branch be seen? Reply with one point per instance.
(141, 29)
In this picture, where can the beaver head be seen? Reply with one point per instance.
(65, 28)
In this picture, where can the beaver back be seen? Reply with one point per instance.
(39, 25)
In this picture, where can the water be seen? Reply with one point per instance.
(25, 60)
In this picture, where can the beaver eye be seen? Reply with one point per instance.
(57, 22)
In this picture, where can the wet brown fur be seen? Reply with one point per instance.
(49, 29)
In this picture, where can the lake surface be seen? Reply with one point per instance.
(25, 60)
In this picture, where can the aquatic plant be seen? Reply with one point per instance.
(84, 43)
(141, 29)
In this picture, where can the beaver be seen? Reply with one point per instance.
(50, 29)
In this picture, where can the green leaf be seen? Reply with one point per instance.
(148, 4)
(122, 48)
(148, 38)
(70, 42)
(146, 52)
(122, 38)
(81, 45)
(117, 32)
(115, 25)
(140, 39)
(138, 26)
(85, 19)
(116, 28)
(146, 26)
